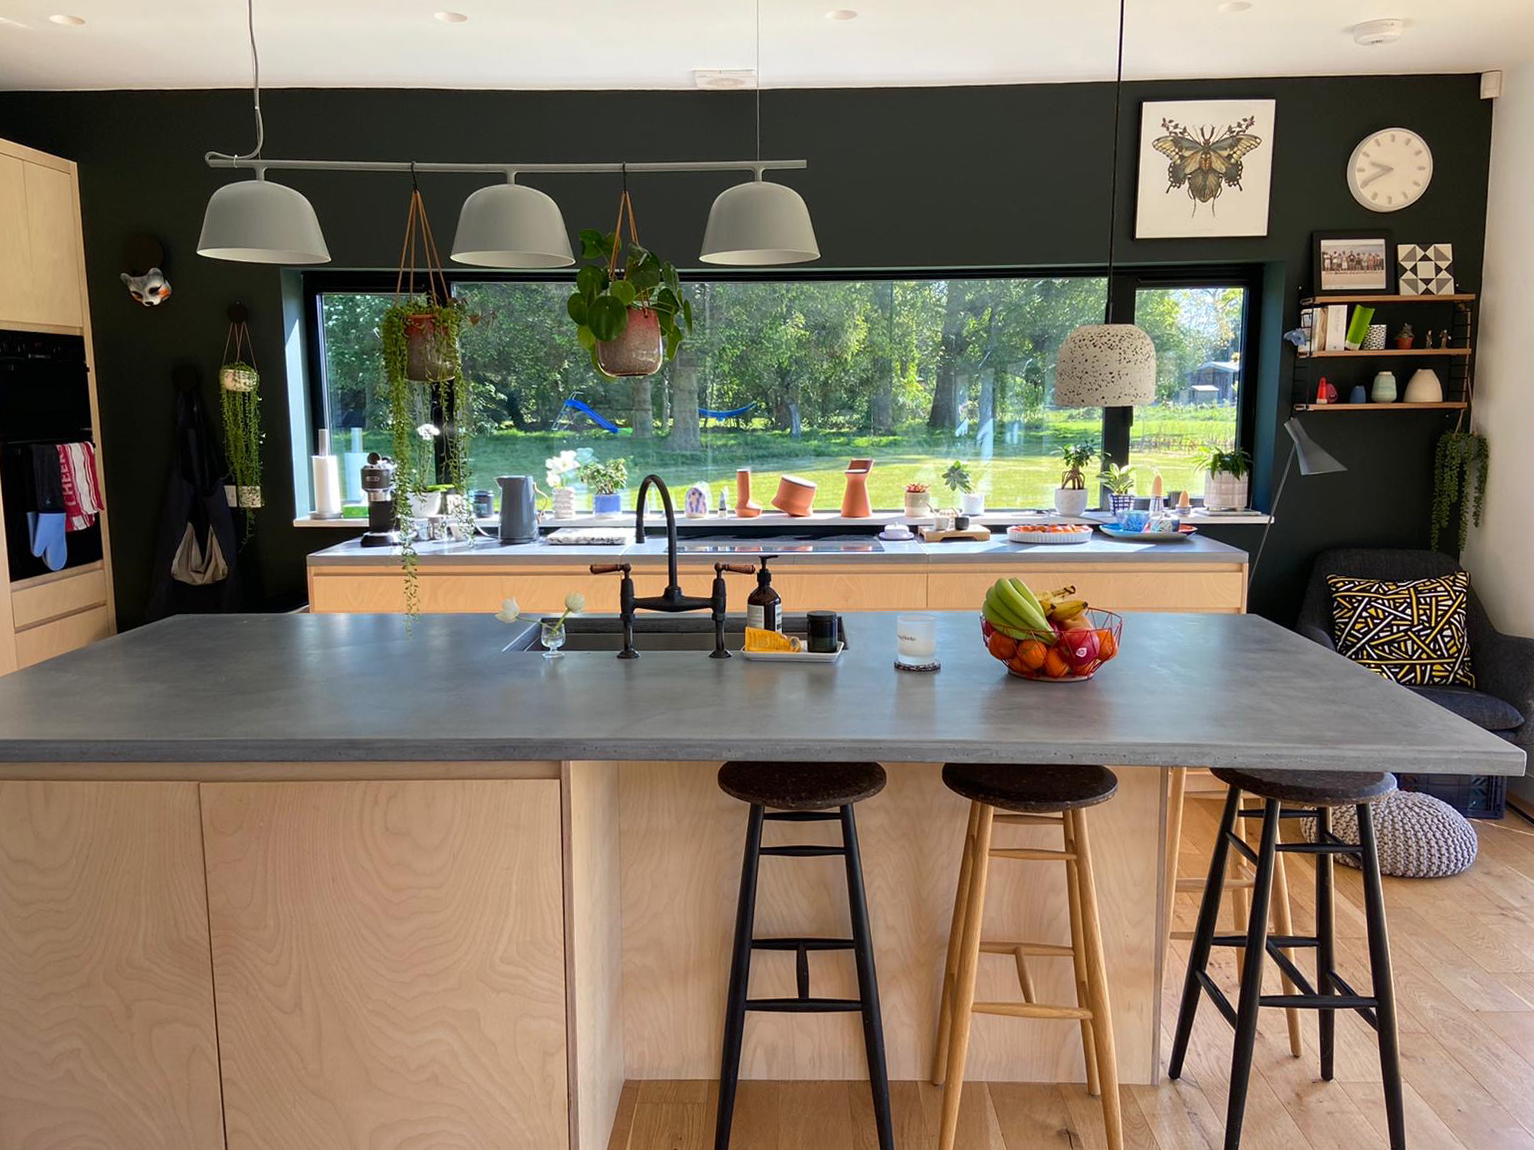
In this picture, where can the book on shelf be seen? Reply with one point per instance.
(1336, 327)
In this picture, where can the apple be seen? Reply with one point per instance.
(1079, 647)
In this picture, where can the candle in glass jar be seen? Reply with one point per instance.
(916, 639)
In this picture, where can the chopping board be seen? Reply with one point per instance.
(970, 534)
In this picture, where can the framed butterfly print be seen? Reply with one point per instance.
(1206, 168)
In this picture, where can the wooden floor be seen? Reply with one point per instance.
(1464, 963)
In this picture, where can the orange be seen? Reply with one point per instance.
(1002, 646)
(1055, 665)
(1107, 646)
(1032, 653)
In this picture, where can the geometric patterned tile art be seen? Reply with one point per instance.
(1425, 269)
(1413, 632)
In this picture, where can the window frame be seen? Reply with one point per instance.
(1117, 422)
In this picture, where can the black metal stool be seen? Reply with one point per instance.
(1316, 792)
(801, 793)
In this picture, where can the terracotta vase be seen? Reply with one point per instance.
(638, 351)
(795, 496)
(855, 497)
(745, 506)
(424, 361)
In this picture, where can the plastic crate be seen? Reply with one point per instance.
(1474, 796)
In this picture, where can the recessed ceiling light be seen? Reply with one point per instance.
(451, 17)
(724, 79)
(841, 14)
(1374, 32)
(67, 21)
(1235, 5)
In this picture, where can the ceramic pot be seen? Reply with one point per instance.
(1423, 387)
(1358, 394)
(1403, 342)
(424, 361)
(1383, 390)
(795, 496)
(918, 504)
(426, 504)
(232, 494)
(961, 522)
(855, 495)
(249, 498)
(745, 506)
(1375, 340)
(695, 503)
(564, 503)
(607, 503)
(238, 377)
(972, 503)
(1071, 501)
(1122, 505)
(638, 351)
(1224, 492)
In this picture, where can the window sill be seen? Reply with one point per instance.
(827, 519)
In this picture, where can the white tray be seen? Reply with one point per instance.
(1056, 538)
(795, 656)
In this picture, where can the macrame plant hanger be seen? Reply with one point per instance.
(240, 408)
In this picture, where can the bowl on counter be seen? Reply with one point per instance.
(1055, 533)
(1074, 657)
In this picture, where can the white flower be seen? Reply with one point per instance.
(428, 432)
(575, 602)
(509, 612)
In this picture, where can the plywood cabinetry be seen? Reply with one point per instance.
(39, 241)
(15, 243)
(1113, 586)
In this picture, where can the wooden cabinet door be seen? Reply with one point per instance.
(54, 283)
(106, 1004)
(389, 963)
(15, 245)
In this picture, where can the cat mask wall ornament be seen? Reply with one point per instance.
(150, 289)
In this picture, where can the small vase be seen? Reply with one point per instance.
(1071, 501)
(972, 503)
(551, 633)
(855, 497)
(1423, 387)
(607, 503)
(564, 503)
(1383, 389)
(745, 506)
(638, 350)
(1121, 505)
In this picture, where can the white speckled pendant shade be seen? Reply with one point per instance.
(1106, 365)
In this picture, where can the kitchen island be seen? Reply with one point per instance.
(315, 880)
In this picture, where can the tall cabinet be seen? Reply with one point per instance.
(43, 291)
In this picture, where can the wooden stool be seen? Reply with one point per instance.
(1038, 796)
(1238, 885)
(802, 792)
(1316, 792)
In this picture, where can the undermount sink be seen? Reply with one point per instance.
(656, 632)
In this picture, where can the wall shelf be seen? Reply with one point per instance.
(1388, 353)
(1466, 297)
(1379, 408)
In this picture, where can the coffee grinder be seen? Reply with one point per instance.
(378, 489)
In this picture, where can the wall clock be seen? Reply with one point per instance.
(1390, 169)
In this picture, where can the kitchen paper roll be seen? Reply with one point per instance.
(327, 486)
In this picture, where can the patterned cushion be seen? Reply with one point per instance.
(1413, 632)
(1417, 835)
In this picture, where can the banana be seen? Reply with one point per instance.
(1066, 609)
(1015, 594)
(1007, 612)
(1026, 593)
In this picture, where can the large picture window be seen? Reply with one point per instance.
(802, 375)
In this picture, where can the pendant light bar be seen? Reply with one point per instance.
(263, 163)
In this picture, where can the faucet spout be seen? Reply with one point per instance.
(673, 586)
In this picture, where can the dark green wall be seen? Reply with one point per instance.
(902, 178)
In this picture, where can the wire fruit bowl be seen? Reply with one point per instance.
(1074, 657)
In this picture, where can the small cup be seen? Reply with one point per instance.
(916, 640)
(822, 631)
(961, 522)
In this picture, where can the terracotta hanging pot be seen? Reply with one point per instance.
(638, 351)
(424, 361)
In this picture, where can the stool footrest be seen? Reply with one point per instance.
(1033, 854)
(1032, 949)
(1281, 941)
(1328, 848)
(802, 816)
(802, 944)
(1319, 1001)
(1032, 1010)
(804, 1005)
(1016, 820)
(800, 851)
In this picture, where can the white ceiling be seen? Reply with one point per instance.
(659, 43)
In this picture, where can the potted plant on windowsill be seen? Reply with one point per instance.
(628, 307)
(1119, 479)
(959, 483)
(918, 501)
(1227, 477)
(606, 480)
(1071, 495)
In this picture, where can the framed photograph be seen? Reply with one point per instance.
(1206, 168)
(1346, 263)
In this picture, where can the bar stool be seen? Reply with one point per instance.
(801, 793)
(1032, 796)
(1316, 792)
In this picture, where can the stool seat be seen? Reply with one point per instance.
(1312, 788)
(1031, 788)
(801, 786)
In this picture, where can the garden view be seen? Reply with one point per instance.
(802, 376)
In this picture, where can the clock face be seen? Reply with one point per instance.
(1390, 169)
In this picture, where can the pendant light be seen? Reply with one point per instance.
(257, 221)
(509, 226)
(759, 224)
(1108, 364)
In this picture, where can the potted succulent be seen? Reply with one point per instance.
(918, 501)
(606, 480)
(1071, 495)
(1119, 479)
(1227, 477)
(1404, 337)
(628, 307)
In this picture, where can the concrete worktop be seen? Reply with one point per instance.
(492, 553)
(1186, 690)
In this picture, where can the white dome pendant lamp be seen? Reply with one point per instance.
(255, 221)
(1108, 364)
(510, 226)
(759, 224)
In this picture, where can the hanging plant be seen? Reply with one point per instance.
(628, 308)
(1460, 466)
(240, 406)
(426, 393)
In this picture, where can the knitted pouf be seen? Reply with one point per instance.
(1418, 836)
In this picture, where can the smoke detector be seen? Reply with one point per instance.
(724, 79)
(1373, 32)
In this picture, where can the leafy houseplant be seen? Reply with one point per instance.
(1227, 477)
(240, 406)
(1404, 337)
(628, 307)
(606, 480)
(1071, 495)
(1461, 461)
(957, 479)
(1119, 479)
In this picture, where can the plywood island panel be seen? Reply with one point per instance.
(389, 962)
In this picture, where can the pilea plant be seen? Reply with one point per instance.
(1460, 466)
(1118, 478)
(1075, 456)
(957, 478)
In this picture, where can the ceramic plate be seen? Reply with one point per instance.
(1146, 536)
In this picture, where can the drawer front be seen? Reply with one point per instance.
(58, 597)
(1165, 589)
(73, 631)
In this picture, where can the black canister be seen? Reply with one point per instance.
(822, 631)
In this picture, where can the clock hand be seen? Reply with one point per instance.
(1381, 171)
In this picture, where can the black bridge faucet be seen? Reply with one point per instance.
(671, 600)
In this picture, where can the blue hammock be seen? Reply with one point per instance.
(706, 414)
(586, 410)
